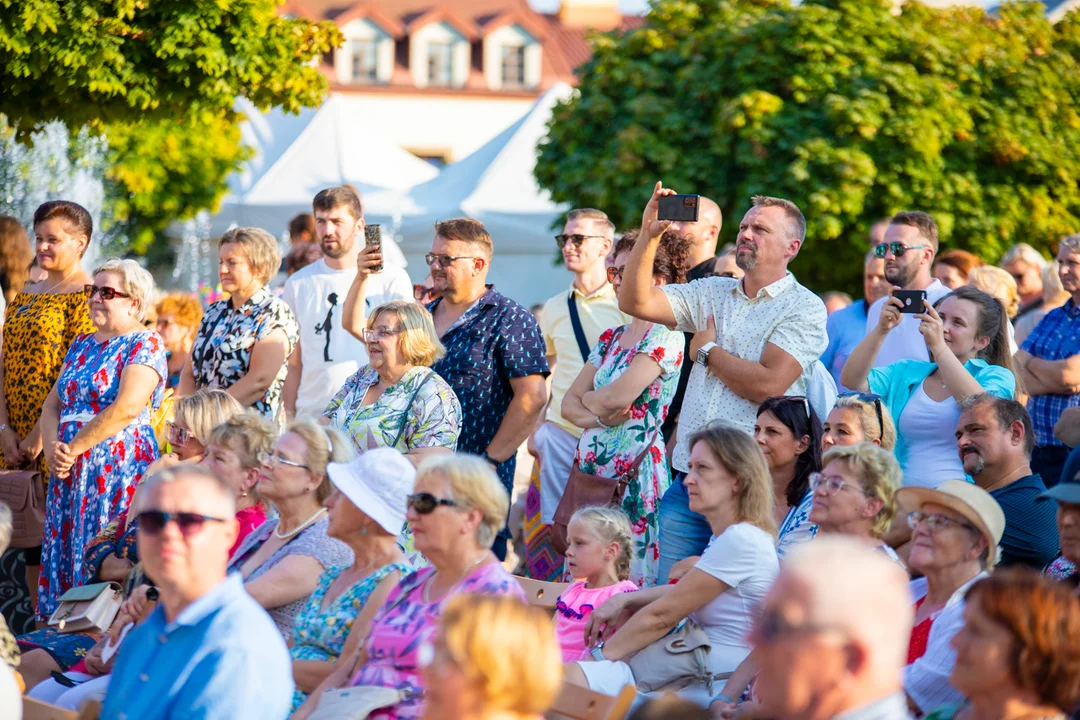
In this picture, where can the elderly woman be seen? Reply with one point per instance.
(1067, 495)
(233, 452)
(367, 510)
(729, 484)
(457, 508)
(858, 417)
(493, 659)
(621, 398)
(194, 417)
(97, 424)
(244, 341)
(282, 560)
(956, 531)
(396, 400)
(1053, 296)
(1016, 655)
(789, 433)
(178, 318)
(41, 322)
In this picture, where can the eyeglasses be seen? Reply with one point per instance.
(152, 522)
(376, 334)
(870, 398)
(443, 261)
(269, 458)
(106, 292)
(936, 522)
(772, 625)
(562, 239)
(831, 484)
(177, 435)
(614, 273)
(425, 503)
(897, 249)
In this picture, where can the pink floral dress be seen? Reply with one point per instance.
(610, 452)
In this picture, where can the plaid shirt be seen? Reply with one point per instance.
(1056, 337)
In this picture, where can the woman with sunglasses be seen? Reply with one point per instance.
(621, 398)
(457, 508)
(789, 434)
(96, 422)
(967, 336)
(858, 417)
(955, 534)
(282, 560)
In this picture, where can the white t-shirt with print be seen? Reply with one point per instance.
(784, 313)
(904, 342)
(330, 355)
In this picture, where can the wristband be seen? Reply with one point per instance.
(723, 697)
(490, 459)
(598, 653)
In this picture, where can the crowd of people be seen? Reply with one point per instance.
(304, 501)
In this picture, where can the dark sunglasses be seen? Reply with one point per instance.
(106, 292)
(443, 261)
(870, 398)
(614, 273)
(425, 503)
(562, 239)
(897, 249)
(801, 399)
(153, 522)
(772, 626)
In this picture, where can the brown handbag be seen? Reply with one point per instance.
(24, 493)
(583, 490)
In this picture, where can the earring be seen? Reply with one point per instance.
(363, 531)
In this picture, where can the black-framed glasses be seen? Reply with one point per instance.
(106, 292)
(897, 249)
(376, 334)
(831, 484)
(615, 273)
(935, 522)
(177, 435)
(563, 238)
(426, 503)
(771, 626)
(870, 398)
(153, 522)
(443, 261)
(269, 458)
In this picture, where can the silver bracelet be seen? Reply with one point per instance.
(601, 423)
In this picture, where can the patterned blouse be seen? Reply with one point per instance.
(221, 354)
(797, 528)
(428, 418)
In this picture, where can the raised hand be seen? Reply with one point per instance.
(370, 257)
(651, 225)
(932, 329)
(890, 312)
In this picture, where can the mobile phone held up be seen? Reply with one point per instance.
(679, 208)
(373, 238)
(913, 301)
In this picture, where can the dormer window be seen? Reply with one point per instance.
(513, 66)
(367, 56)
(512, 58)
(365, 61)
(440, 65)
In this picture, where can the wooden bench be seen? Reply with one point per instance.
(38, 710)
(542, 594)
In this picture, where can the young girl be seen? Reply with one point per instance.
(599, 546)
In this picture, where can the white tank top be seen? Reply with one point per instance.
(929, 431)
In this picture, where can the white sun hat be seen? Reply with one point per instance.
(379, 483)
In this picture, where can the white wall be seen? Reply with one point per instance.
(515, 36)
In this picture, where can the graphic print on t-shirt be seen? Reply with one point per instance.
(327, 325)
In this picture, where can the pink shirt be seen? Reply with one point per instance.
(572, 610)
(249, 519)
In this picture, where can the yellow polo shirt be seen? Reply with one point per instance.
(597, 312)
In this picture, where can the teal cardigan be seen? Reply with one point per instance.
(896, 384)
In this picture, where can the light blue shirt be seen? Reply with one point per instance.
(222, 657)
(846, 328)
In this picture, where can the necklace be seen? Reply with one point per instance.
(299, 527)
(427, 585)
(62, 281)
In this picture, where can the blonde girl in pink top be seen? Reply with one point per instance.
(599, 546)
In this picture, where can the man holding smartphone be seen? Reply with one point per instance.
(754, 338)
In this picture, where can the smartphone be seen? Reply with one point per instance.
(914, 301)
(680, 208)
(373, 238)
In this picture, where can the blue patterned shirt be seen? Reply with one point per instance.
(495, 340)
(1056, 337)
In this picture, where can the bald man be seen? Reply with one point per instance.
(833, 635)
(703, 236)
(208, 650)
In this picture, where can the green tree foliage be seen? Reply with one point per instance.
(159, 78)
(846, 107)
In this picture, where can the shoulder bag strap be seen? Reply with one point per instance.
(405, 415)
(575, 320)
(633, 471)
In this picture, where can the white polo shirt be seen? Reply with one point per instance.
(904, 342)
(784, 313)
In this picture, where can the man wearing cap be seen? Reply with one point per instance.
(994, 437)
(955, 534)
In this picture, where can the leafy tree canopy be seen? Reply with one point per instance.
(159, 78)
(848, 108)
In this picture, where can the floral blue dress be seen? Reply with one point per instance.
(103, 479)
(320, 633)
(797, 528)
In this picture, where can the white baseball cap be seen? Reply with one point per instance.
(379, 483)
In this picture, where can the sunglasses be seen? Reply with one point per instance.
(177, 435)
(614, 273)
(562, 239)
(772, 626)
(796, 398)
(936, 522)
(152, 522)
(897, 249)
(443, 261)
(106, 292)
(870, 398)
(425, 503)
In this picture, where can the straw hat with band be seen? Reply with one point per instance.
(976, 506)
(379, 483)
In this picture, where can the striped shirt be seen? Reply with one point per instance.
(1030, 536)
(1056, 337)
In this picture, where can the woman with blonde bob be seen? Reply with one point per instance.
(493, 658)
(728, 483)
(859, 417)
(396, 400)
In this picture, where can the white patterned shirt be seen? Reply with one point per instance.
(784, 313)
